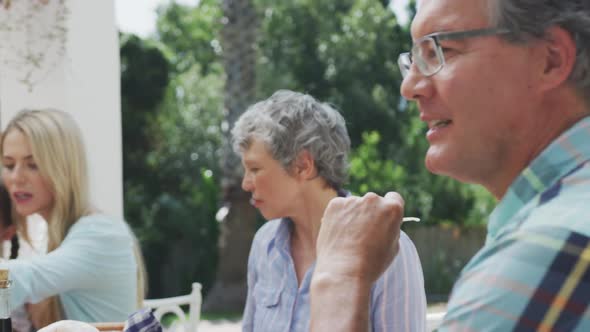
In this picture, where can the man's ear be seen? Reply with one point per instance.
(8, 233)
(559, 55)
(305, 168)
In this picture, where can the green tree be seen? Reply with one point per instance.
(203, 37)
(343, 52)
(144, 78)
(181, 220)
(238, 37)
(171, 139)
(190, 34)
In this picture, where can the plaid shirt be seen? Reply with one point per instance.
(533, 272)
(142, 321)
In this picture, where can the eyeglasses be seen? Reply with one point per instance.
(428, 54)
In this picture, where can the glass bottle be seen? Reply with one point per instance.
(5, 321)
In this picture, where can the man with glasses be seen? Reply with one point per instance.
(504, 86)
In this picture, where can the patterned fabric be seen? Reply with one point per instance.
(533, 274)
(277, 303)
(142, 321)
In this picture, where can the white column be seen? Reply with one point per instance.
(84, 81)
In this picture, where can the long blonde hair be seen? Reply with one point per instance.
(58, 150)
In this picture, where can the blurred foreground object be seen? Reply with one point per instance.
(5, 321)
(69, 326)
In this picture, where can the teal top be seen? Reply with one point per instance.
(533, 274)
(94, 272)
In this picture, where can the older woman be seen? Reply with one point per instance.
(294, 151)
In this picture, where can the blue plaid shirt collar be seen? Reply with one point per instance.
(568, 152)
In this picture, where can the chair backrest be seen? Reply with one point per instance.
(172, 305)
(110, 326)
(434, 320)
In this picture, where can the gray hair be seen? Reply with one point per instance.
(288, 123)
(530, 19)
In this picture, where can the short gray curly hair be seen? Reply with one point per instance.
(530, 19)
(288, 123)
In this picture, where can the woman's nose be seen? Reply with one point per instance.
(18, 175)
(246, 183)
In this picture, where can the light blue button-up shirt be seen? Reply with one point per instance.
(276, 303)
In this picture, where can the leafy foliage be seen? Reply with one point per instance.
(190, 34)
(343, 52)
(432, 198)
(170, 147)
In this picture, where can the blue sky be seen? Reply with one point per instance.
(139, 16)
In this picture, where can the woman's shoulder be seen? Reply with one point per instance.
(406, 262)
(100, 225)
(406, 242)
(99, 218)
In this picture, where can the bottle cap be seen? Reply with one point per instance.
(4, 282)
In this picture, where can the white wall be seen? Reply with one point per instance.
(85, 83)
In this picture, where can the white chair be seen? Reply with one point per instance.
(433, 320)
(172, 305)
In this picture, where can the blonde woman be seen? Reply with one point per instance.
(93, 269)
